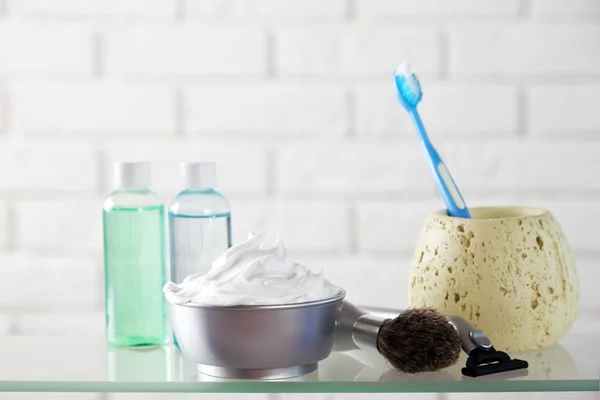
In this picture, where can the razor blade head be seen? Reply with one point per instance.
(486, 362)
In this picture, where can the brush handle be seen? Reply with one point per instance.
(450, 194)
(357, 329)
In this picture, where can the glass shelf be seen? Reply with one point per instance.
(87, 364)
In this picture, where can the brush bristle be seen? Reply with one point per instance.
(419, 340)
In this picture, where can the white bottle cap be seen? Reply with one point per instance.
(198, 175)
(132, 175)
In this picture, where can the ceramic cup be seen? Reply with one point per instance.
(508, 270)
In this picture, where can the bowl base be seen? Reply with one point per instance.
(256, 373)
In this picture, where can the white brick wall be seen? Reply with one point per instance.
(564, 108)
(436, 8)
(188, 50)
(561, 9)
(43, 283)
(42, 165)
(350, 50)
(73, 225)
(386, 274)
(265, 108)
(4, 222)
(88, 323)
(294, 101)
(324, 224)
(3, 106)
(91, 107)
(506, 49)
(166, 156)
(358, 168)
(5, 324)
(390, 227)
(523, 166)
(45, 48)
(451, 109)
(271, 9)
(94, 8)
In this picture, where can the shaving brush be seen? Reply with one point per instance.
(421, 340)
(416, 340)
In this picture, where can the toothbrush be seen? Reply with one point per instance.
(410, 94)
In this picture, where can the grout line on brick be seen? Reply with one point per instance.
(350, 102)
(350, 9)
(271, 171)
(418, 196)
(353, 236)
(50, 195)
(13, 326)
(98, 55)
(270, 54)
(43, 309)
(338, 82)
(57, 310)
(312, 251)
(102, 178)
(421, 195)
(99, 283)
(3, 113)
(525, 8)
(325, 138)
(180, 113)
(61, 252)
(11, 225)
(180, 11)
(444, 54)
(5, 109)
(522, 111)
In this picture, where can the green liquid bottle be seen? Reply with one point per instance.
(134, 260)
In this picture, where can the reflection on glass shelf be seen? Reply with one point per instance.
(64, 364)
(140, 364)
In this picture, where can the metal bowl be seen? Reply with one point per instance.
(257, 342)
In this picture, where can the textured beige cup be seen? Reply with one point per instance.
(508, 270)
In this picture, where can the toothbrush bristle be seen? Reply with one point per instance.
(410, 90)
(403, 69)
(408, 85)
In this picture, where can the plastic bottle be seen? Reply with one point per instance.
(199, 222)
(134, 260)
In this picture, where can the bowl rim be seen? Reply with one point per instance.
(534, 212)
(340, 296)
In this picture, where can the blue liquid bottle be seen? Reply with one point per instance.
(199, 222)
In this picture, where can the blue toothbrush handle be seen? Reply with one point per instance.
(450, 194)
